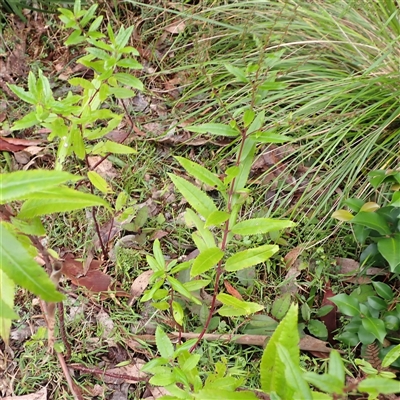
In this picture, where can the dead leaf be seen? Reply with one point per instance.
(123, 373)
(95, 280)
(176, 27)
(40, 395)
(105, 168)
(293, 255)
(139, 285)
(232, 291)
(348, 266)
(7, 146)
(158, 234)
(158, 392)
(330, 319)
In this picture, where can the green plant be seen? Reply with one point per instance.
(280, 374)
(377, 226)
(79, 122)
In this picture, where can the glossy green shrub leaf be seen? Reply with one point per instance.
(247, 258)
(373, 221)
(194, 196)
(20, 184)
(347, 305)
(256, 226)
(317, 328)
(370, 206)
(378, 177)
(61, 199)
(377, 303)
(375, 326)
(392, 323)
(164, 344)
(293, 375)
(18, 264)
(281, 306)
(389, 247)
(343, 215)
(383, 290)
(395, 199)
(365, 336)
(354, 204)
(362, 233)
(206, 260)
(391, 356)
(202, 174)
(272, 369)
(215, 129)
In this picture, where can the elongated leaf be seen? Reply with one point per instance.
(272, 369)
(206, 260)
(347, 305)
(326, 383)
(373, 221)
(20, 184)
(99, 182)
(375, 326)
(383, 290)
(293, 374)
(235, 307)
(343, 215)
(201, 173)
(103, 148)
(336, 366)
(129, 80)
(250, 257)
(164, 344)
(19, 266)
(60, 199)
(270, 137)
(377, 385)
(194, 196)
(178, 286)
(256, 226)
(6, 305)
(390, 250)
(22, 94)
(238, 73)
(257, 123)
(214, 129)
(391, 356)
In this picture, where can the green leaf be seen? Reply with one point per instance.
(6, 305)
(217, 218)
(376, 385)
(191, 362)
(257, 123)
(96, 23)
(22, 94)
(194, 196)
(377, 303)
(75, 37)
(17, 263)
(81, 82)
(99, 182)
(31, 227)
(196, 284)
(293, 374)
(273, 86)
(129, 80)
(327, 383)
(390, 250)
(383, 290)
(102, 148)
(238, 73)
(201, 173)
(336, 366)
(121, 93)
(375, 326)
(391, 356)
(270, 137)
(256, 226)
(123, 36)
(20, 184)
(347, 305)
(373, 221)
(177, 312)
(247, 258)
(178, 286)
(214, 129)
(272, 369)
(206, 260)
(164, 344)
(235, 307)
(343, 215)
(248, 117)
(60, 199)
(26, 122)
(317, 328)
(281, 306)
(129, 63)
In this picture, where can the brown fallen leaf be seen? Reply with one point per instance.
(122, 374)
(232, 291)
(40, 395)
(7, 146)
(176, 27)
(105, 168)
(330, 319)
(139, 285)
